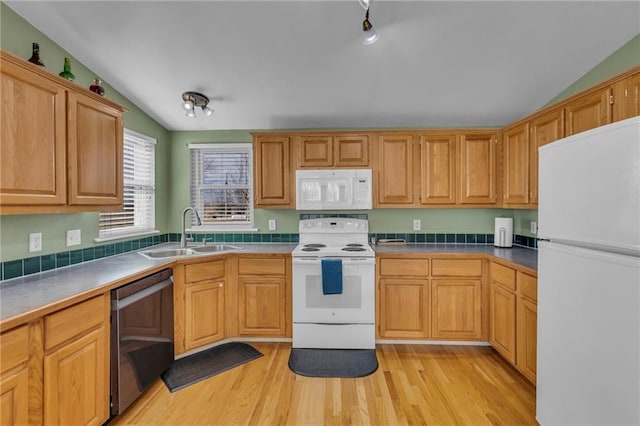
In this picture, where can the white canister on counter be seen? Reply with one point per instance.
(503, 235)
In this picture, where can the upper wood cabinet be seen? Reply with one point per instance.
(395, 170)
(626, 98)
(273, 178)
(543, 129)
(478, 176)
(588, 112)
(337, 150)
(516, 151)
(438, 169)
(61, 144)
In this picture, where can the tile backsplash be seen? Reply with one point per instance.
(36, 264)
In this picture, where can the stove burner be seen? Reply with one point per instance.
(310, 249)
(353, 249)
(314, 245)
(354, 245)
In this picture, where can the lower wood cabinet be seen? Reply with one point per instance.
(14, 376)
(264, 295)
(456, 309)
(76, 364)
(199, 304)
(404, 308)
(513, 317)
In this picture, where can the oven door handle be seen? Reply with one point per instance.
(345, 260)
(135, 297)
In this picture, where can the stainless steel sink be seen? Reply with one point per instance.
(160, 254)
(214, 248)
(191, 251)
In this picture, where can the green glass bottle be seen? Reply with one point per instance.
(67, 70)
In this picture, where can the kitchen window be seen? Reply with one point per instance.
(138, 215)
(222, 185)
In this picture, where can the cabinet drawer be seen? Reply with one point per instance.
(14, 348)
(204, 271)
(528, 286)
(68, 323)
(503, 276)
(406, 267)
(456, 267)
(261, 266)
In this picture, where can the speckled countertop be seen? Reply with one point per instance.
(27, 297)
(518, 255)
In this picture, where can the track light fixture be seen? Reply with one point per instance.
(370, 34)
(192, 100)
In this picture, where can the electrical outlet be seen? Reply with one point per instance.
(272, 224)
(534, 227)
(417, 224)
(35, 242)
(74, 237)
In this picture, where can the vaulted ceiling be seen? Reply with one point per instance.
(302, 64)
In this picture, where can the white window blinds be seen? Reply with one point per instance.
(138, 214)
(222, 184)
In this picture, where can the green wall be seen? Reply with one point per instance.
(16, 36)
(625, 57)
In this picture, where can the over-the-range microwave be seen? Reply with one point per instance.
(333, 189)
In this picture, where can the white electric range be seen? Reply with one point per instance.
(334, 321)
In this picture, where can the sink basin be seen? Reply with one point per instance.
(160, 254)
(163, 254)
(214, 248)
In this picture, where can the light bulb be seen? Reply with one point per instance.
(188, 105)
(207, 111)
(191, 113)
(370, 36)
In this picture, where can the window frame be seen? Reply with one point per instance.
(243, 147)
(134, 231)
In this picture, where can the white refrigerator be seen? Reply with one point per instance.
(588, 370)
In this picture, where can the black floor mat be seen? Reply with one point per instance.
(194, 368)
(333, 362)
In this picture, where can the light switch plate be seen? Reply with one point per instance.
(272, 224)
(74, 237)
(534, 227)
(35, 242)
(417, 224)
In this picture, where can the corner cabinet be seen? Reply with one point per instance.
(272, 176)
(61, 144)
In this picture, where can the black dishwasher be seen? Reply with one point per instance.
(141, 336)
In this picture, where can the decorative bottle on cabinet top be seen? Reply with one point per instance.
(96, 88)
(67, 70)
(35, 55)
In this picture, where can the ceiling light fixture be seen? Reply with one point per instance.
(370, 34)
(192, 100)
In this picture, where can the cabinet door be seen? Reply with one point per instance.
(76, 381)
(438, 169)
(588, 112)
(477, 169)
(272, 177)
(315, 151)
(502, 320)
(404, 308)
(455, 309)
(351, 151)
(626, 98)
(33, 139)
(95, 144)
(204, 311)
(515, 145)
(14, 397)
(543, 129)
(261, 306)
(395, 174)
(527, 338)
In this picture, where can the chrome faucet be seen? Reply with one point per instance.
(183, 239)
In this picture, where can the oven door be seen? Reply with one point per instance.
(356, 304)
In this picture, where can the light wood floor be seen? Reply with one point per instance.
(414, 384)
